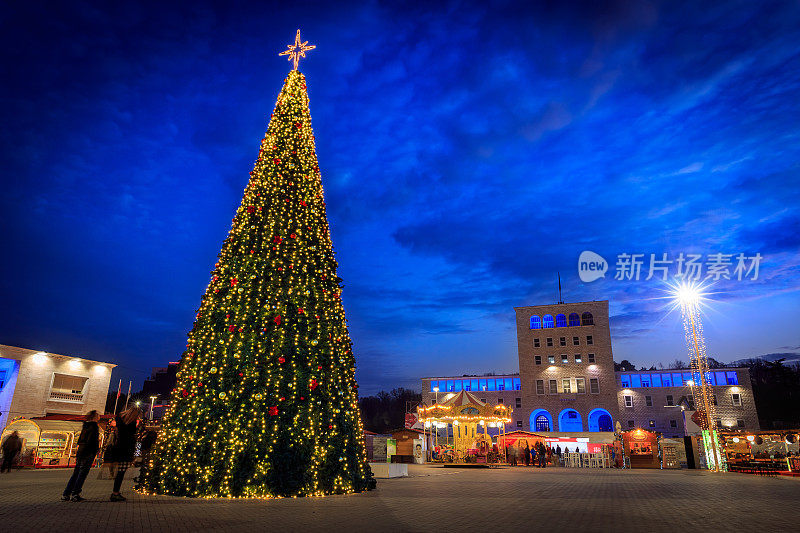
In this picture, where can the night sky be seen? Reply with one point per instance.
(469, 151)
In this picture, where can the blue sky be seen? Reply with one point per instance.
(469, 150)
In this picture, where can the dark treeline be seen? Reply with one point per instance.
(386, 410)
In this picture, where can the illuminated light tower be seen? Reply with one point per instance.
(689, 297)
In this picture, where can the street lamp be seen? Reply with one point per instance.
(689, 297)
(152, 401)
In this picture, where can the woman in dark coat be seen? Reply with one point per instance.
(121, 452)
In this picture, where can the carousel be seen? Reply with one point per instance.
(466, 421)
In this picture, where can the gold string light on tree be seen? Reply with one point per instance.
(266, 402)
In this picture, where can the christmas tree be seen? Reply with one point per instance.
(266, 402)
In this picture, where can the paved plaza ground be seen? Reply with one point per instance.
(431, 499)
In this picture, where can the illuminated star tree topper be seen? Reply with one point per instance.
(297, 50)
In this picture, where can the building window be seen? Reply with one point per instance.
(551, 359)
(645, 380)
(578, 358)
(561, 321)
(564, 359)
(628, 401)
(537, 359)
(501, 385)
(587, 319)
(631, 424)
(519, 423)
(576, 341)
(563, 341)
(625, 379)
(536, 343)
(652, 423)
(589, 340)
(517, 402)
(539, 386)
(736, 399)
(2, 378)
(673, 424)
(580, 385)
(594, 386)
(574, 319)
(718, 423)
(67, 388)
(536, 322)
(548, 321)
(550, 341)
(483, 400)
(591, 358)
(670, 400)
(648, 401)
(499, 400)
(565, 386)
(739, 423)
(553, 386)
(516, 383)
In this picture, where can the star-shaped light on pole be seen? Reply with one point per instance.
(297, 50)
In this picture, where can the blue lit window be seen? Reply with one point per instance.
(587, 319)
(625, 379)
(710, 378)
(517, 384)
(574, 319)
(733, 378)
(482, 384)
(491, 384)
(636, 381)
(561, 321)
(666, 380)
(677, 380)
(548, 321)
(687, 376)
(450, 385)
(467, 385)
(536, 322)
(656, 380)
(645, 380)
(696, 378)
(508, 384)
(720, 377)
(434, 384)
(458, 385)
(473, 385)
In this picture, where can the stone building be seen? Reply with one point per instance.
(567, 382)
(35, 384)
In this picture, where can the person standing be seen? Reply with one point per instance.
(121, 452)
(88, 446)
(527, 454)
(11, 447)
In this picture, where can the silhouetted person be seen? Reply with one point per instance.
(88, 446)
(121, 451)
(11, 447)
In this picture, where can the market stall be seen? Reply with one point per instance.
(466, 420)
(642, 447)
(49, 441)
(761, 451)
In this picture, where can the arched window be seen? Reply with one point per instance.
(561, 321)
(587, 319)
(574, 319)
(548, 321)
(570, 420)
(536, 322)
(542, 423)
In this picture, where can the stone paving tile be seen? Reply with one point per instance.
(431, 499)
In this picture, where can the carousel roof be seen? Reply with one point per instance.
(463, 398)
